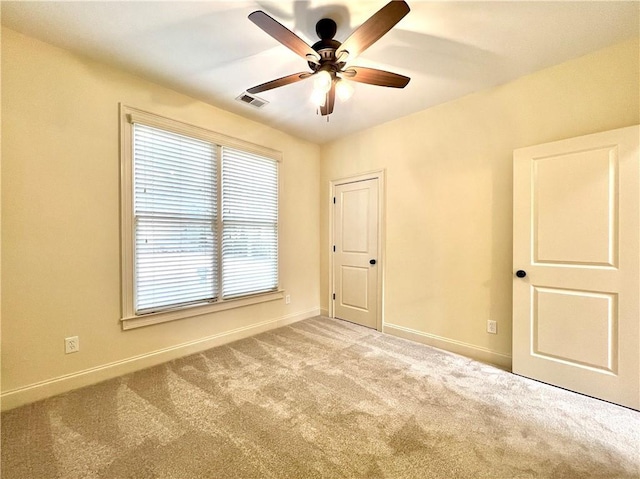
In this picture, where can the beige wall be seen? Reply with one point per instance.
(60, 222)
(449, 192)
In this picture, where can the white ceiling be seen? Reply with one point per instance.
(211, 51)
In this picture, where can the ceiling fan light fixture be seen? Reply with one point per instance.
(318, 97)
(322, 81)
(344, 89)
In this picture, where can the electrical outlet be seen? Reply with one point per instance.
(71, 345)
(287, 299)
(492, 327)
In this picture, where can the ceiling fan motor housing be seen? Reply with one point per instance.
(326, 47)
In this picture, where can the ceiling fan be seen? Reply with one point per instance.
(328, 58)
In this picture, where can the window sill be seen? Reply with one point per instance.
(132, 322)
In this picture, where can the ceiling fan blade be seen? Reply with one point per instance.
(327, 108)
(374, 28)
(284, 35)
(279, 82)
(376, 77)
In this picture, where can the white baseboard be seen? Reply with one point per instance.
(51, 387)
(479, 353)
(324, 312)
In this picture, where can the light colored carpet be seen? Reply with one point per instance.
(321, 399)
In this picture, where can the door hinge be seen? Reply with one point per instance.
(334, 200)
(334, 248)
(334, 295)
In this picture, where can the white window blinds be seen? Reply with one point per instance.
(175, 196)
(249, 223)
(204, 223)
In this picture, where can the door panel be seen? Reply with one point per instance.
(588, 318)
(354, 283)
(356, 244)
(355, 219)
(576, 234)
(574, 206)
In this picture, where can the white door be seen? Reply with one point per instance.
(576, 236)
(355, 256)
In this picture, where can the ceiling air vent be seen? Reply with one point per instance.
(251, 100)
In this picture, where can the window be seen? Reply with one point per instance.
(199, 220)
(175, 237)
(249, 223)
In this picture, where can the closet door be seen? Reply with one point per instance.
(355, 256)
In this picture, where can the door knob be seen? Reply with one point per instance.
(521, 273)
(372, 261)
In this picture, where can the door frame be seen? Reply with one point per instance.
(372, 175)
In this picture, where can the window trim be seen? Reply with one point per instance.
(129, 320)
